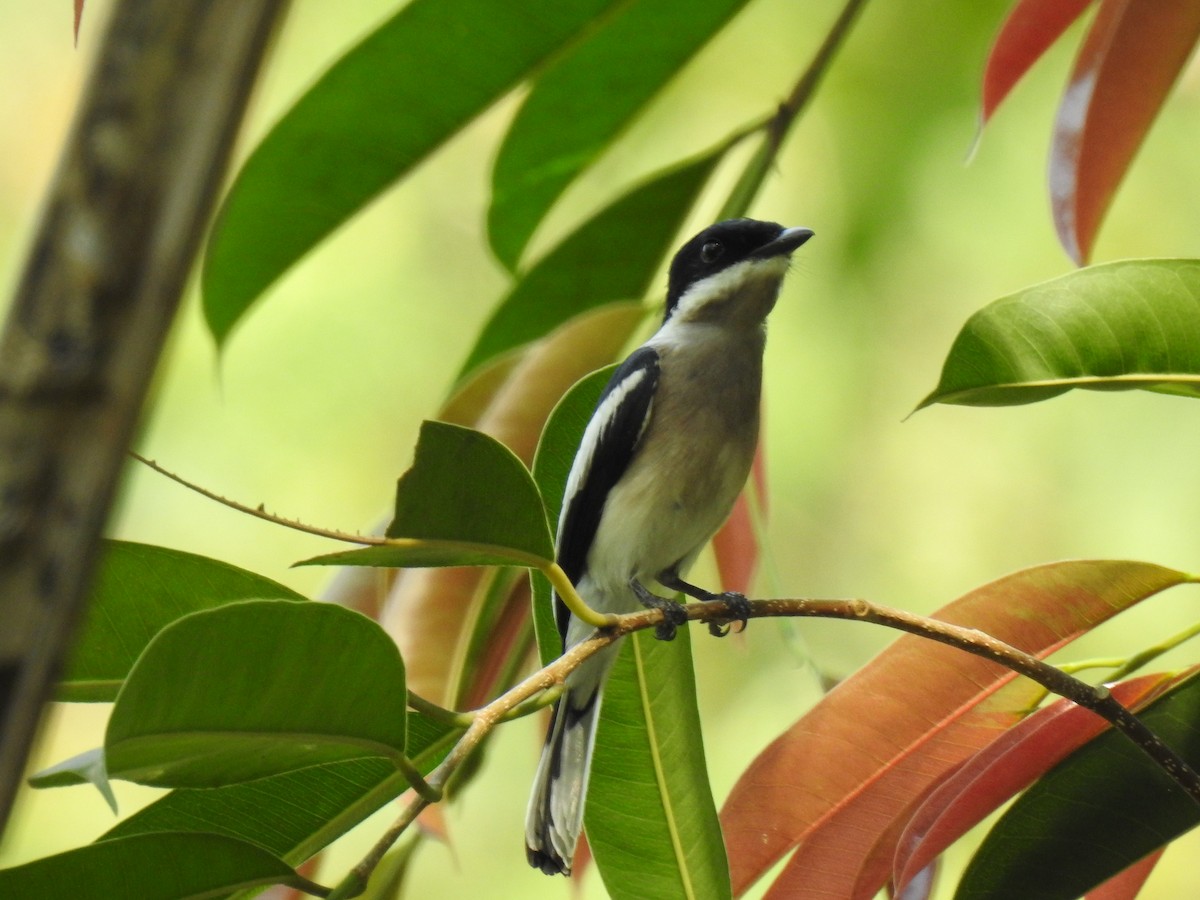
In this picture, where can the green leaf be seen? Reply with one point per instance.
(649, 780)
(551, 466)
(86, 768)
(257, 688)
(1100, 810)
(367, 122)
(163, 866)
(295, 814)
(612, 73)
(613, 256)
(467, 486)
(1122, 325)
(139, 589)
(466, 501)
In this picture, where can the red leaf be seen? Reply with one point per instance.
(849, 852)
(78, 19)
(1126, 885)
(1030, 30)
(837, 779)
(877, 865)
(1008, 765)
(736, 544)
(1130, 58)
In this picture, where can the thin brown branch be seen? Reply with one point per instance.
(259, 512)
(1097, 699)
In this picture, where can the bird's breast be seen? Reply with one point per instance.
(690, 466)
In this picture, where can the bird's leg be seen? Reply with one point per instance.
(674, 614)
(738, 603)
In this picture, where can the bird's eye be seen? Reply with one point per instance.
(711, 251)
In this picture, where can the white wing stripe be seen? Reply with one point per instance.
(600, 420)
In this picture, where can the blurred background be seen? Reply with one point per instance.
(314, 406)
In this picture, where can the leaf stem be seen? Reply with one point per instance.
(567, 593)
(464, 719)
(439, 713)
(424, 789)
(1135, 662)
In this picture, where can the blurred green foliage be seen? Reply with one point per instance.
(315, 405)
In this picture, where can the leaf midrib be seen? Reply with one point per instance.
(660, 773)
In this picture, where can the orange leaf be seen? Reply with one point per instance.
(1130, 58)
(850, 853)
(482, 678)
(835, 781)
(1030, 30)
(432, 821)
(78, 19)
(424, 614)
(999, 771)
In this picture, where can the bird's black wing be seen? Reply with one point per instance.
(608, 446)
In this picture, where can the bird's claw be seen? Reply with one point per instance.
(738, 605)
(674, 615)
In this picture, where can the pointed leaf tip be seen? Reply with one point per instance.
(1117, 326)
(466, 501)
(1131, 57)
(1031, 28)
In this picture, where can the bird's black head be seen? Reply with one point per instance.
(721, 247)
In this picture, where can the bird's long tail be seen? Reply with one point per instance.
(554, 819)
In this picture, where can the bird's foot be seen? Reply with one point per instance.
(738, 605)
(674, 614)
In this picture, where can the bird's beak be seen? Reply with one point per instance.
(787, 242)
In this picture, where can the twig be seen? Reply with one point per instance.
(1097, 699)
(260, 513)
(778, 126)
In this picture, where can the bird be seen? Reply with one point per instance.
(662, 460)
